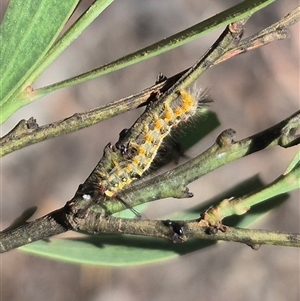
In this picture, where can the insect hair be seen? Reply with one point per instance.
(140, 148)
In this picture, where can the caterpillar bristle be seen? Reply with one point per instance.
(156, 124)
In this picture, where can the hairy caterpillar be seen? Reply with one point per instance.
(139, 152)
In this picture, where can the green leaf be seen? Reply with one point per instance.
(293, 164)
(107, 250)
(237, 12)
(70, 35)
(125, 250)
(27, 32)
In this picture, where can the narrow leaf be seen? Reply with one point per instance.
(27, 32)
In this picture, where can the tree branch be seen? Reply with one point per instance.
(173, 183)
(181, 231)
(28, 132)
(89, 212)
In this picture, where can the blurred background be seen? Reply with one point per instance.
(252, 92)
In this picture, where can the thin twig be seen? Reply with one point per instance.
(113, 156)
(181, 231)
(86, 214)
(275, 32)
(29, 132)
(288, 181)
(173, 183)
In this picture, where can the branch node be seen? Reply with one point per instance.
(237, 30)
(289, 133)
(225, 139)
(187, 194)
(254, 246)
(22, 128)
(176, 231)
(211, 222)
